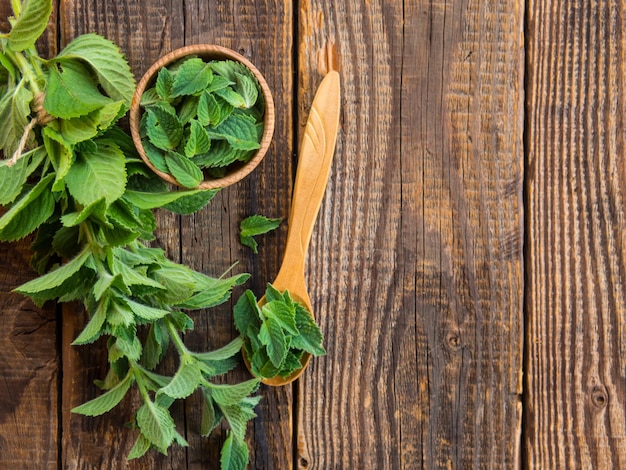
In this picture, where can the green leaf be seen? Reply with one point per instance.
(145, 311)
(29, 212)
(14, 112)
(107, 401)
(164, 84)
(57, 277)
(222, 155)
(157, 425)
(255, 225)
(59, 152)
(209, 111)
(71, 91)
(128, 343)
(234, 454)
(164, 129)
(198, 141)
(238, 415)
(186, 172)
(31, 23)
(193, 76)
(229, 69)
(141, 446)
(239, 130)
(13, 178)
(214, 292)
(232, 97)
(225, 352)
(283, 313)
(135, 277)
(97, 209)
(106, 60)
(97, 174)
(291, 364)
(247, 312)
(188, 109)
(226, 394)
(186, 380)
(211, 414)
(272, 336)
(192, 202)
(247, 88)
(310, 338)
(86, 127)
(93, 329)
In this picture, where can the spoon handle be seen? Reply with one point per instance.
(314, 161)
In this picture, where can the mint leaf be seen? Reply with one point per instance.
(234, 455)
(141, 446)
(255, 225)
(164, 129)
(71, 91)
(31, 23)
(96, 209)
(214, 292)
(239, 130)
(185, 381)
(225, 394)
(107, 401)
(186, 172)
(97, 174)
(181, 202)
(238, 415)
(13, 178)
(231, 97)
(106, 60)
(59, 152)
(247, 312)
(157, 425)
(225, 352)
(209, 111)
(192, 76)
(29, 212)
(93, 329)
(14, 112)
(229, 69)
(272, 336)
(247, 88)
(284, 315)
(164, 84)
(310, 338)
(198, 141)
(57, 277)
(146, 312)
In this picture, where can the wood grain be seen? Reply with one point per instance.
(145, 31)
(416, 268)
(576, 364)
(29, 353)
(261, 31)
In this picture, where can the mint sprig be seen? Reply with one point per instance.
(277, 333)
(72, 177)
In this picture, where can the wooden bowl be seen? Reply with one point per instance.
(206, 52)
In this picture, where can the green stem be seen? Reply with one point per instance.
(176, 339)
(138, 374)
(26, 69)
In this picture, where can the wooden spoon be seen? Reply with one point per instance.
(315, 158)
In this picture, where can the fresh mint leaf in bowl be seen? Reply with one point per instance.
(202, 117)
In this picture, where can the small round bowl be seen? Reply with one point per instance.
(206, 52)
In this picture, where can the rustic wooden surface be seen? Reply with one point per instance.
(576, 182)
(468, 267)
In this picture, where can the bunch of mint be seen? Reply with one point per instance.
(201, 115)
(276, 334)
(71, 176)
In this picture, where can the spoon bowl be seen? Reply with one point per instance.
(314, 161)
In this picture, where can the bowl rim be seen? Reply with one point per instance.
(212, 51)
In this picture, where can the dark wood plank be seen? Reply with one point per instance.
(416, 265)
(29, 353)
(144, 30)
(262, 32)
(576, 303)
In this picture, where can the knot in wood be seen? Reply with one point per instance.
(43, 117)
(599, 396)
(453, 341)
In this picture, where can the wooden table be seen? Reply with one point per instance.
(468, 268)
